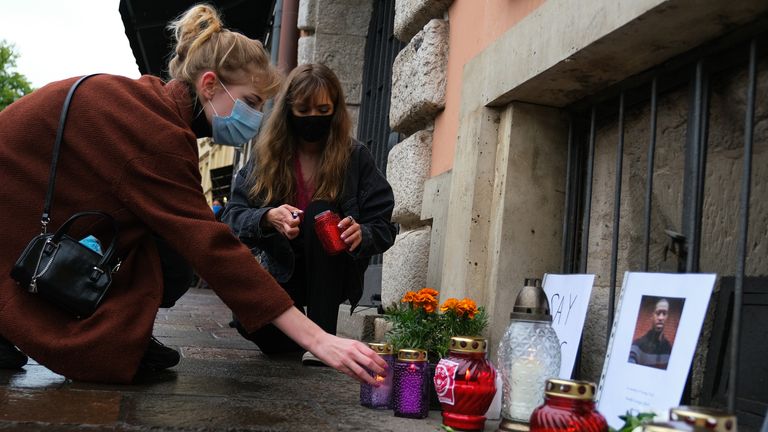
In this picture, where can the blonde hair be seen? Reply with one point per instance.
(202, 44)
(273, 178)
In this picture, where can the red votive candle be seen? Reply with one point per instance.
(465, 382)
(329, 233)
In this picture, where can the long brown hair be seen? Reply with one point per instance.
(273, 177)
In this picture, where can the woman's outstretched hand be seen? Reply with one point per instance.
(345, 355)
(351, 357)
(285, 219)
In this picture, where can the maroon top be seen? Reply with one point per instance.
(304, 192)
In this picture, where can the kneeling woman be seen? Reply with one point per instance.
(305, 163)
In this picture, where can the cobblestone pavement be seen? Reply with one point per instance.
(222, 383)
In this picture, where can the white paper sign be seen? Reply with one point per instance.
(568, 297)
(652, 343)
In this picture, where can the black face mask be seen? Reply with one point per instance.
(311, 128)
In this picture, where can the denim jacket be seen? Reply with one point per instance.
(366, 196)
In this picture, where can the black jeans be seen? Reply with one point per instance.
(316, 283)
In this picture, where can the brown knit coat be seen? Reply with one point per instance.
(128, 150)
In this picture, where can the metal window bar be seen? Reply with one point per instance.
(662, 78)
(649, 175)
(696, 167)
(569, 215)
(584, 252)
(741, 249)
(616, 217)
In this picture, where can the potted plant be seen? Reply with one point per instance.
(418, 322)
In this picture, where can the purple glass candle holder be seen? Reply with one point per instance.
(409, 388)
(379, 397)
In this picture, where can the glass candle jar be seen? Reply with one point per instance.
(465, 382)
(568, 406)
(379, 397)
(529, 354)
(329, 233)
(409, 384)
(709, 418)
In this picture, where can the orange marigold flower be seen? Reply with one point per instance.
(468, 307)
(428, 302)
(429, 292)
(449, 304)
(408, 297)
(429, 307)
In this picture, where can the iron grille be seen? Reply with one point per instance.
(698, 74)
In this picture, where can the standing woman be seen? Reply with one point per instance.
(130, 150)
(306, 163)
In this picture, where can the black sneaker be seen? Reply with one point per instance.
(158, 357)
(10, 356)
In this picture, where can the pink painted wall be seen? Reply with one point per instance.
(474, 24)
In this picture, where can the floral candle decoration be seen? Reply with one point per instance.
(466, 383)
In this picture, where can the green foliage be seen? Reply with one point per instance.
(13, 85)
(417, 323)
(634, 420)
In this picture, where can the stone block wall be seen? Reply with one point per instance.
(408, 169)
(333, 33)
(418, 79)
(418, 95)
(412, 15)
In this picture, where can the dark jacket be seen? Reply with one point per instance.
(366, 196)
(652, 349)
(129, 149)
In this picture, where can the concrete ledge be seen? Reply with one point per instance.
(532, 63)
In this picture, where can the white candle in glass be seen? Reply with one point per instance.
(527, 380)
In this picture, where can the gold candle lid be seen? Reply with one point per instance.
(468, 344)
(671, 427)
(381, 348)
(412, 355)
(710, 418)
(571, 389)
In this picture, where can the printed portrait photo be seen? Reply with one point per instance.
(655, 331)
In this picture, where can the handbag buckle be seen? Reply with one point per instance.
(96, 273)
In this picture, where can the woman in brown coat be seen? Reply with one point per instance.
(130, 150)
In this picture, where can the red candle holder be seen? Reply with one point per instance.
(568, 406)
(329, 233)
(465, 382)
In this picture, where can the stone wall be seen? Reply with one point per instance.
(333, 33)
(418, 95)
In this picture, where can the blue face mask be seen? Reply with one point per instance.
(238, 127)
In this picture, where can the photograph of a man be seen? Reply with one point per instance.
(655, 331)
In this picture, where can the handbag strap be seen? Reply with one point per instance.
(46, 216)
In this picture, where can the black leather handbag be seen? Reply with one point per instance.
(58, 267)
